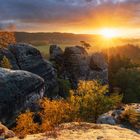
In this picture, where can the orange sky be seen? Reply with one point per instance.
(75, 16)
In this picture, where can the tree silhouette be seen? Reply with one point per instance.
(85, 44)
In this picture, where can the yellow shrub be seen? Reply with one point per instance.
(5, 63)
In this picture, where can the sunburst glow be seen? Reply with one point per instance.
(109, 33)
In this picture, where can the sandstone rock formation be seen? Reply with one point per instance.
(85, 131)
(29, 58)
(73, 64)
(5, 132)
(18, 91)
(80, 66)
(56, 53)
(76, 64)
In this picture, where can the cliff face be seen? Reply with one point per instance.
(86, 131)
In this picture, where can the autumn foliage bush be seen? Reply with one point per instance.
(25, 124)
(85, 103)
(54, 112)
(6, 38)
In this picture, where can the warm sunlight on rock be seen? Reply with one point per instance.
(109, 33)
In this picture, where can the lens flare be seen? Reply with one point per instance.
(109, 33)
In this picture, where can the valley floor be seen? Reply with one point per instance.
(86, 131)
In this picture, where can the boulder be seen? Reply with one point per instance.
(19, 90)
(5, 132)
(30, 59)
(107, 118)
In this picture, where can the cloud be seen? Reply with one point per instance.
(34, 14)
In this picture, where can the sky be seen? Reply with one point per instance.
(75, 16)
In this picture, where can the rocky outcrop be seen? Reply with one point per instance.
(80, 66)
(56, 53)
(73, 64)
(76, 64)
(5, 132)
(19, 90)
(97, 62)
(29, 58)
(85, 131)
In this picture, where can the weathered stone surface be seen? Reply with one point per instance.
(107, 118)
(18, 91)
(30, 59)
(97, 62)
(5, 132)
(76, 63)
(9, 56)
(80, 66)
(86, 131)
(56, 53)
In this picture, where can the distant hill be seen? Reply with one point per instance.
(54, 38)
(41, 39)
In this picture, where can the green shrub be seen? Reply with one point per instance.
(129, 82)
(90, 100)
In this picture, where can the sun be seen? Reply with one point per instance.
(108, 33)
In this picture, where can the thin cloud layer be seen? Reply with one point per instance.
(65, 15)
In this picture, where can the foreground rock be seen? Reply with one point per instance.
(5, 132)
(18, 91)
(114, 117)
(86, 131)
(29, 58)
